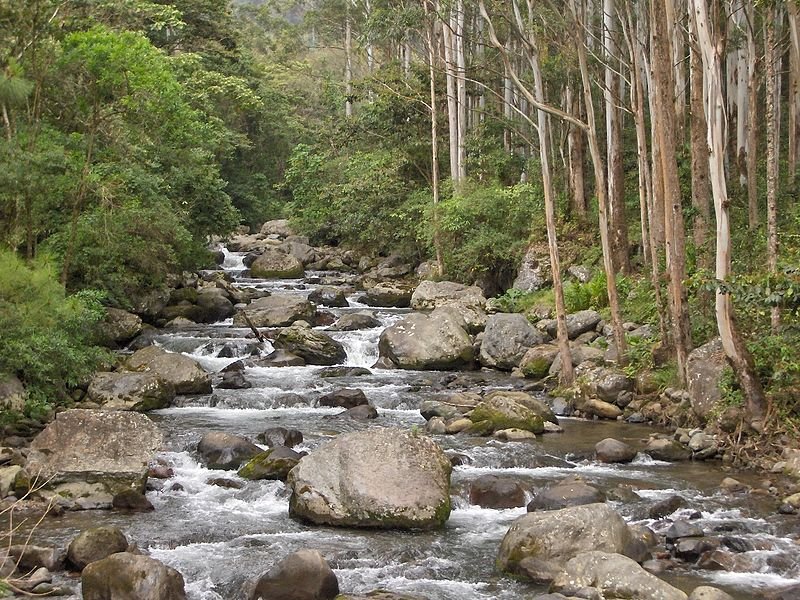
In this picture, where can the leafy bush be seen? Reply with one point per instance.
(47, 335)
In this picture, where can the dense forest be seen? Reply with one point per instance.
(656, 142)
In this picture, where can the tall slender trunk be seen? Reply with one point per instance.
(432, 46)
(732, 342)
(793, 13)
(508, 102)
(348, 65)
(752, 118)
(771, 24)
(461, 91)
(575, 151)
(448, 34)
(701, 187)
(673, 211)
(739, 18)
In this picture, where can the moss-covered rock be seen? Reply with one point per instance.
(504, 413)
(272, 464)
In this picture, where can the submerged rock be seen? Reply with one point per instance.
(275, 463)
(563, 494)
(303, 575)
(492, 491)
(385, 478)
(126, 576)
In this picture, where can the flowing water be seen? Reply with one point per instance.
(220, 537)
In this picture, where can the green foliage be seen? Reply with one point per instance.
(590, 295)
(47, 335)
(514, 300)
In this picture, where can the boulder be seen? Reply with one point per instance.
(95, 544)
(28, 557)
(275, 463)
(559, 535)
(451, 407)
(344, 398)
(537, 361)
(277, 227)
(613, 576)
(535, 271)
(278, 310)
(126, 576)
(314, 347)
(610, 450)
(12, 393)
(387, 295)
(132, 501)
(471, 318)
(280, 436)
(384, 478)
(506, 340)
(667, 450)
(184, 373)
(130, 391)
(703, 369)
(220, 450)
(279, 358)
(303, 575)
(354, 321)
(492, 491)
(431, 294)
(342, 371)
(109, 449)
(579, 355)
(300, 250)
(564, 494)
(363, 412)
(706, 592)
(118, 328)
(502, 412)
(435, 341)
(605, 383)
(577, 323)
(234, 380)
(538, 406)
(276, 264)
(213, 305)
(328, 296)
(600, 408)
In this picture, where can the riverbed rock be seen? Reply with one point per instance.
(95, 544)
(434, 341)
(387, 295)
(431, 294)
(234, 380)
(274, 464)
(667, 450)
(538, 406)
(704, 368)
(278, 310)
(493, 491)
(130, 391)
(280, 436)
(328, 296)
(600, 408)
(604, 383)
(303, 575)
(313, 346)
(570, 492)
(184, 373)
(279, 358)
(344, 398)
(706, 592)
(127, 576)
(579, 355)
(537, 361)
(300, 250)
(99, 451)
(276, 264)
(384, 478)
(454, 405)
(501, 412)
(506, 340)
(534, 271)
(12, 393)
(213, 305)
(221, 450)
(277, 227)
(577, 323)
(610, 450)
(29, 557)
(614, 576)
(355, 321)
(559, 535)
(118, 328)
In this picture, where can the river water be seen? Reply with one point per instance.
(218, 538)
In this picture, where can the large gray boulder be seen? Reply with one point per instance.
(213, 305)
(313, 346)
(354, 321)
(434, 341)
(383, 478)
(432, 294)
(277, 227)
(557, 536)
(12, 393)
(118, 328)
(221, 450)
(535, 271)
(95, 544)
(704, 368)
(303, 575)
(506, 339)
(130, 391)
(387, 295)
(577, 323)
(183, 373)
(127, 576)
(108, 451)
(327, 295)
(278, 310)
(300, 250)
(498, 412)
(614, 576)
(277, 264)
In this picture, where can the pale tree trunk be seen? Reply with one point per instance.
(432, 51)
(665, 130)
(508, 102)
(370, 47)
(771, 28)
(575, 152)
(793, 13)
(701, 186)
(616, 175)
(452, 93)
(461, 91)
(740, 23)
(752, 118)
(676, 8)
(732, 342)
(348, 65)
